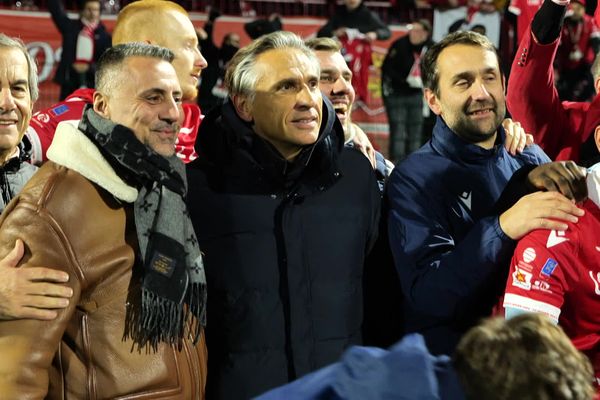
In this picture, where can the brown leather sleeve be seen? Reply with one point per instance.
(28, 346)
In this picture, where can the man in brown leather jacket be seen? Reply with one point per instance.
(37, 293)
(108, 209)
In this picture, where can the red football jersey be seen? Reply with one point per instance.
(558, 274)
(43, 125)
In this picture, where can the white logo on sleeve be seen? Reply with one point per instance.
(444, 241)
(529, 254)
(596, 280)
(556, 237)
(465, 198)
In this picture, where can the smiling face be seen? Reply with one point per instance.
(178, 35)
(336, 84)
(15, 100)
(147, 100)
(471, 93)
(287, 106)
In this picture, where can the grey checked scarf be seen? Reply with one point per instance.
(173, 283)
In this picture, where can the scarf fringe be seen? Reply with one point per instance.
(161, 320)
(196, 299)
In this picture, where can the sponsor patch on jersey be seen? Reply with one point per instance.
(555, 238)
(60, 110)
(523, 265)
(549, 267)
(529, 254)
(43, 118)
(521, 279)
(541, 286)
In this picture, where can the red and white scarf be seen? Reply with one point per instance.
(84, 51)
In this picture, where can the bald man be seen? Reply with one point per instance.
(138, 22)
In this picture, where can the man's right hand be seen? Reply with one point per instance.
(30, 292)
(539, 210)
(565, 177)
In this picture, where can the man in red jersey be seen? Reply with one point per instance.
(557, 273)
(137, 23)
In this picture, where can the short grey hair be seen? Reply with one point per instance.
(241, 77)
(32, 80)
(113, 58)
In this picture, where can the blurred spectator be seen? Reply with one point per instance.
(356, 27)
(526, 358)
(447, 13)
(355, 15)
(246, 9)
(263, 26)
(211, 92)
(84, 41)
(481, 17)
(402, 90)
(111, 6)
(579, 43)
(563, 129)
(524, 10)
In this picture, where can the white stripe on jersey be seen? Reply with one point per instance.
(531, 305)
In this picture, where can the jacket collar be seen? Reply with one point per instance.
(228, 142)
(72, 149)
(452, 146)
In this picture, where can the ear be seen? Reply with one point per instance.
(432, 101)
(101, 105)
(243, 107)
(597, 137)
(597, 85)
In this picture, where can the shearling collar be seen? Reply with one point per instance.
(72, 149)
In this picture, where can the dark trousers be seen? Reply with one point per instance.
(405, 117)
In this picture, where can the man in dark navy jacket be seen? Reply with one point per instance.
(285, 215)
(451, 232)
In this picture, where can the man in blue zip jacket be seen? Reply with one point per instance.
(452, 225)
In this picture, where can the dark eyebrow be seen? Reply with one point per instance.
(20, 82)
(463, 75)
(469, 74)
(278, 84)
